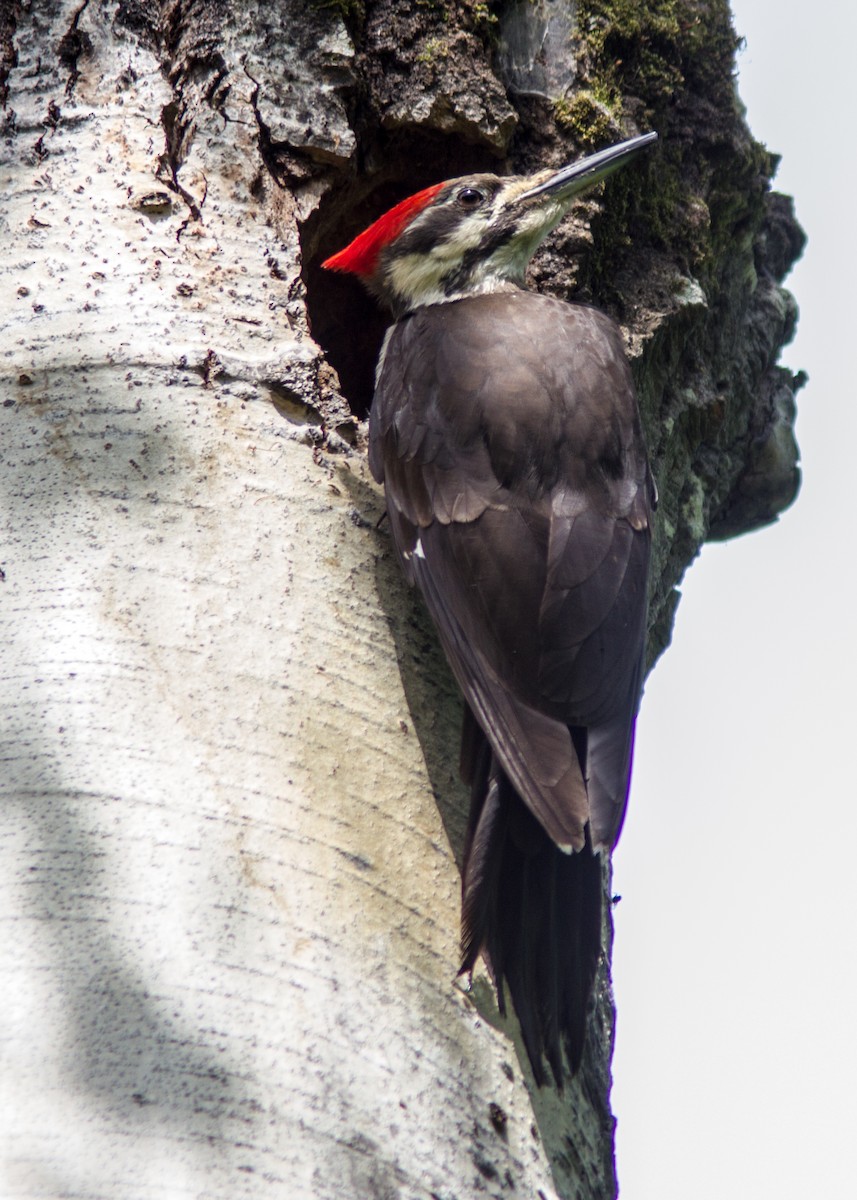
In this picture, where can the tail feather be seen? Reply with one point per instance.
(534, 913)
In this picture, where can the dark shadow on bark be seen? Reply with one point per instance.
(125, 1046)
(431, 692)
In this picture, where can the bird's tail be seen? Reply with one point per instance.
(531, 910)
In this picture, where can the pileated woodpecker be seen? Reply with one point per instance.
(506, 432)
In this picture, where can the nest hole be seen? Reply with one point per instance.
(344, 319)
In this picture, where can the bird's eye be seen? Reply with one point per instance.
(470, 197)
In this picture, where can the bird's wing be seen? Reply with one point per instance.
(531, 556)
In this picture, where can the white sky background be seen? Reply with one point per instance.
(735, 967)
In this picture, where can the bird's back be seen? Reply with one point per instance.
(506, 431)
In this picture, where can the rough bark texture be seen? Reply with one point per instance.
(230, 808)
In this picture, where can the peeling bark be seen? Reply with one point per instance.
(231, 816)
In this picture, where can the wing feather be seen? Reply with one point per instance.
(518, 493)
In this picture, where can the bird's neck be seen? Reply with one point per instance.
(408, 282)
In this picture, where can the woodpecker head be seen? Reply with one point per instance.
(470, 235)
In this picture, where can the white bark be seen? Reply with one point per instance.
(229, 900)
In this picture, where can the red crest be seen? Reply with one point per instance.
(360, 257)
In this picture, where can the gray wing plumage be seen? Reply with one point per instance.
(506, 432)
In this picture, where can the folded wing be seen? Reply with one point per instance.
(519, 498)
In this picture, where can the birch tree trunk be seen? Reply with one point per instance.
(231, 813)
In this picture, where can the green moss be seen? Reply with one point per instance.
(736, 198)
(709, 45)
(635, 45)
(664, 57)
(486, 22)
(629, 48)
(591, 120)
(432, 50)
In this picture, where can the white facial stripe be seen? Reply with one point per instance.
(416, 277)
(419, 278)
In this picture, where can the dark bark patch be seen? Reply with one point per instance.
(9, 15)
(74, 43)
(428, 67)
